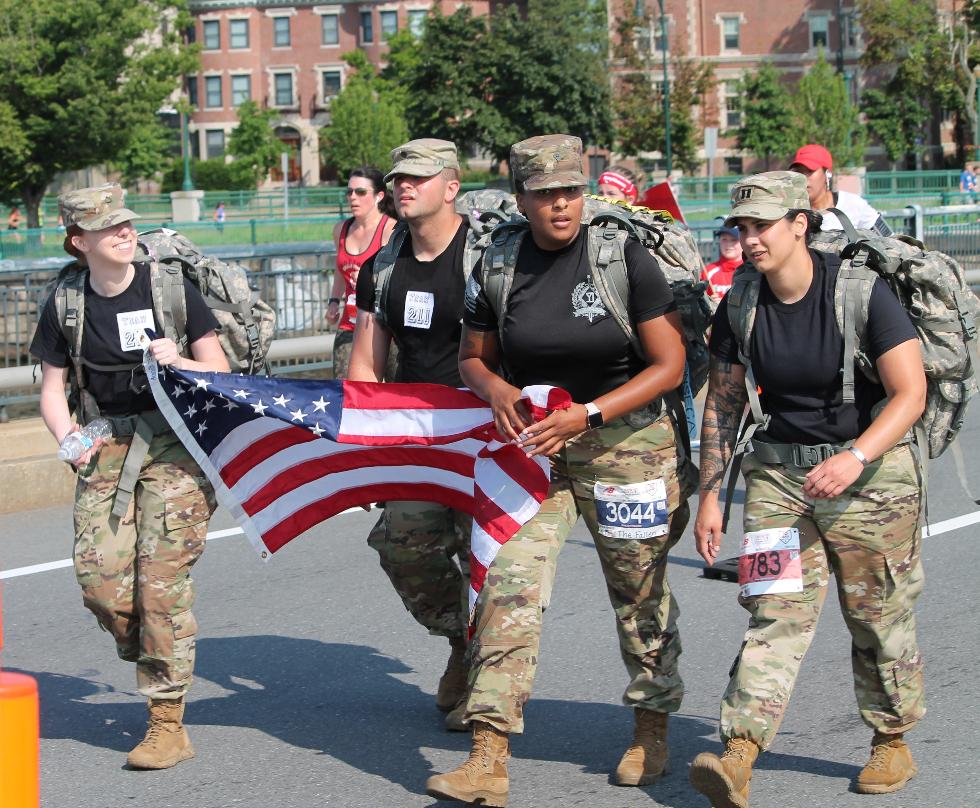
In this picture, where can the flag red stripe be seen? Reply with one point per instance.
(289, 479)
(498, 524)
(314, 513)
(514, 463)
(397, 396)
(478, 574)
(400, 440)
(255, 453)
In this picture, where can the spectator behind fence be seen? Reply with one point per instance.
(13, 220)
(219, 216)
(719, 274)
(815, 163)
(968, 182)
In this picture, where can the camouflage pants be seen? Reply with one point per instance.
(135, 571)
(419, 544)
(343, 341)
(519, 582)
(869, 537)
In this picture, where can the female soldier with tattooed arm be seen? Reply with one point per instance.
(829, 485)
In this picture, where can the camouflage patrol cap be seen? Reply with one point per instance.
(424, 157)
(547, 161)
(768, 196)
(94, 208)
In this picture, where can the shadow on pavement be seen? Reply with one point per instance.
(346, 701)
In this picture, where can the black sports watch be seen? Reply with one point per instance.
(593, 419)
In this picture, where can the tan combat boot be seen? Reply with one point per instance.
(725, 780)
(166, 742)
(646, 759)
(890, 768)
(452, 684)
(454, 718)
(483, 777)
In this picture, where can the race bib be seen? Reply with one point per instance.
(770, 562)
(132, 328)
(633, 511)
(418, 309)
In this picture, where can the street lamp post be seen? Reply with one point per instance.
(639, 12)
(186, 136)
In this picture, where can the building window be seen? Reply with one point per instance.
(215, 140)
(212, 92)
(241, 90)
(212, 34)
(852, 30)
(238, 33)
(389, 24)
(280, 32)
(283, 83)
(730, 33)
(416, 22)
(819, 31)
(367, 28)
(733, 165)
(330, 29)
(733, 105)
(192, 90)
(331, 84)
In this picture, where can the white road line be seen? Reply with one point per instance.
(17, 572)
(933, 530)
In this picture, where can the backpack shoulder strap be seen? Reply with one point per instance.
(852, 301)
(607, 255)
(69, 302)
(169, 302)
(384, 263)
(499, 265)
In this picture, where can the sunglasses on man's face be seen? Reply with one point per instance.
(358, 191)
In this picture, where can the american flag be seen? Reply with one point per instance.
(283, 455)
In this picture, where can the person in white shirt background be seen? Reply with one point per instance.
(816, 163)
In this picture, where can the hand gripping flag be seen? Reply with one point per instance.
(283, 455)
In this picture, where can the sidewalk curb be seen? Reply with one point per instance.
(31, 476)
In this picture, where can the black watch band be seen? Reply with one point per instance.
(593, 419)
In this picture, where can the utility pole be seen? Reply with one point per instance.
(188, 182)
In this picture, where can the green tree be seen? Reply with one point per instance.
(253, 143)
(79, 81)
(767, 117)
(909, 50)
(823, 114)
(694, 81)
(365, 125)
(148, 152)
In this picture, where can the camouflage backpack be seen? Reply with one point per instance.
(246, 323)
(483, 210)
(610, 224)
(931, 287)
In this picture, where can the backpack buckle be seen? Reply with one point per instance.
(806, 457)
(71, 317)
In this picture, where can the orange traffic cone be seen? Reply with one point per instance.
(19, 746)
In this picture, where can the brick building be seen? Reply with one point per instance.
(287, 56)
(737, 35)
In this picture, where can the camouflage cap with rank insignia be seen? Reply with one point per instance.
(95, 208)
(547, 161)
(424, 157)
(768, 196)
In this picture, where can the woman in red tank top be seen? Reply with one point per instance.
(357, 239)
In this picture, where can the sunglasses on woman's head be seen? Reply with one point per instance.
(358, 191)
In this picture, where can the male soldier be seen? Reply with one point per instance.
(412, 292)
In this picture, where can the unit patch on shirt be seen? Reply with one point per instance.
(586, 301)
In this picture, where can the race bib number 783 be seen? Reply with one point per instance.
(769, 563)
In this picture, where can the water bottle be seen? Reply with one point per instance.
(77, 443)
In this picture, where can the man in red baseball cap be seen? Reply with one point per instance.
(815, 162)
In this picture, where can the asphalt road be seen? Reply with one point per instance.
(315, 688)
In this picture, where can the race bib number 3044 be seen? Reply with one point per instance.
(633, 511)
(769, 563)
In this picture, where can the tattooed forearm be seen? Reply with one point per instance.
(723, 407)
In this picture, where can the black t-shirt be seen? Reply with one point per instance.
(425, 309)
(556, 330)
(797, 351)
(109, 323)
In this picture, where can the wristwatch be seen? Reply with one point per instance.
(593, 419)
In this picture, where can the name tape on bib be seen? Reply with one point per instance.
(632, 511)
(418, 309)
(769, 563)
(132, 328)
